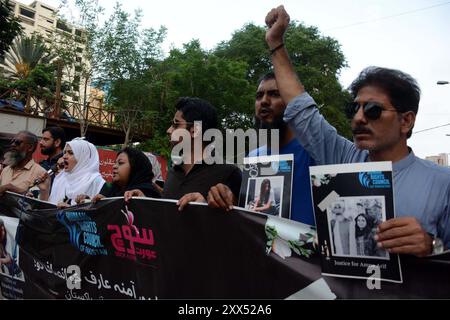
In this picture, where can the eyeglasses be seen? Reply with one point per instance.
(176, 124)
(16, 142)
(372, 110)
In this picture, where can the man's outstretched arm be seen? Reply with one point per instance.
(277, 21)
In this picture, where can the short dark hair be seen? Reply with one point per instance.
(57, 133)
(268, 76)
(196, 109)
(31, 138)
(402, 89)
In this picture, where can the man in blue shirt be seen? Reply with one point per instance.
(269, 110)
(383, 115)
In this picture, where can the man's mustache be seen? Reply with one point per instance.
(361, 130)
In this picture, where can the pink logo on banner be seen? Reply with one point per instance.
(129, 242)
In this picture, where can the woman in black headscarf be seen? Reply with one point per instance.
(132, 170)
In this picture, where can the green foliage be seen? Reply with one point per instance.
(28, 68)
(192, 71)
(77, 53)
(125, 52)
(10, 27)
(125, 55)
(142, 86)
(316, 59)
(197, 73)
(24, 55)
(248, 45)
(300, 247)
(158, 144)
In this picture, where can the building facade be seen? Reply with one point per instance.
(441, 159)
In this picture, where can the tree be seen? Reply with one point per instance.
(316, 58)
(132, 95)
(10, 29)
(247, 44)
(25, 54)
(76, 47)
(221, 81)
(27, 66)
(193, 71)
(125, 55)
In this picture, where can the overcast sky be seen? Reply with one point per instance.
(410, 35)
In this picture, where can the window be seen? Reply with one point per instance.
(80, 50)
(27, 13)
(78, 32)
(47, 8)
(50, 21)
(62, 26)
(26, 21)
(79, 59)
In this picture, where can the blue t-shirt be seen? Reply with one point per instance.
(301, 203)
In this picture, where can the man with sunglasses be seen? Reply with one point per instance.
(22, 173)
(384, 111)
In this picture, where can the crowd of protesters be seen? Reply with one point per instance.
(383, 114)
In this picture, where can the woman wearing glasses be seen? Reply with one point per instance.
(80, 176)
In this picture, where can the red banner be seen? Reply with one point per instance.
(107, 159)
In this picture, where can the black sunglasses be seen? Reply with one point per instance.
(372, 110)
(16, 142)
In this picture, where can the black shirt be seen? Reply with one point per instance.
(48, 163)
(148, 189)
(200, 179)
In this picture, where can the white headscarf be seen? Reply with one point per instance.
(84, 178)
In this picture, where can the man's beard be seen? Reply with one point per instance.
(16, 158)
(48, 151)
(277, 123)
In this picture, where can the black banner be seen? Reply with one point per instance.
(150, 250)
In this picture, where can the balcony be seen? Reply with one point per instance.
(70, 112)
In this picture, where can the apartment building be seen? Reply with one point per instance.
(41, 18)
(441, 159)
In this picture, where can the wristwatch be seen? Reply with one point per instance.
(438, 246)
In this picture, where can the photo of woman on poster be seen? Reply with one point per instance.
(266, 200)
(353, 222)
(264, 195)
(364, 233)
(5, 257)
